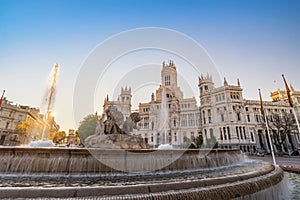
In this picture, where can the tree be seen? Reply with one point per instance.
(57, 136)
(281, 125)
(87, 126)
(24, 128)
(197, 143)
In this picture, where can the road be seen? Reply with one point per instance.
(284, 160)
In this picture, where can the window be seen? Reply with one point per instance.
(170, 138)
(206, 88)
(228, 132)
(237, 132)
(224, 131)
(7, 124)
(241, 133)
(238, 116)
(209, 116)
(257, 118)
(221, 136)
(252, 138)
(222, 117)
(167, 80)
(175, 137)
(146, 125)
(248, 118)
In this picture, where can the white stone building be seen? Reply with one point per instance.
(223, 114)
(238, 122)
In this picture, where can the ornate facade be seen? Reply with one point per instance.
(12, 114)
(223, 114)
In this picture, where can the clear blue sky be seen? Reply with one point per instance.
(255, 41)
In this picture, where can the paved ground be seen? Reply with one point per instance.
(284, 160)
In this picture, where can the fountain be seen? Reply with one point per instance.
(117, 170)
(164, 118)
(120, 166)
(73, 173)
(48, 102)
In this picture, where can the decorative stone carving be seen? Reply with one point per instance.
(109, 135)
(131, 122)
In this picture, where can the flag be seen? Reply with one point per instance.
(261, 104)
(288, 93)
(2, 98)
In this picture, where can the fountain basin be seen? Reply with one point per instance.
(94, 161)
(71, 173)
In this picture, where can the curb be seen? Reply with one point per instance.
(292, 169)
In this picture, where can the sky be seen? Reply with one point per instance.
(253, 40)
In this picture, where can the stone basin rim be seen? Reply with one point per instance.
(268, 172)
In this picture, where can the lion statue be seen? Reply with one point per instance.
(131, 122)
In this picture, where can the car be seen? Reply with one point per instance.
(296, 153)
(260, 154)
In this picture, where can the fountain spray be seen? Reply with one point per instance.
(49, 97)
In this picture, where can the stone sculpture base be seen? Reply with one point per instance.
(115, 141)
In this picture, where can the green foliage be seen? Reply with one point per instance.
(197, 143)
(192, 146)
(87, 126)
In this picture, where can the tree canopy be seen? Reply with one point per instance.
(24, 128)
(87, 126)
(57, 136)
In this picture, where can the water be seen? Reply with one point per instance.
(117, 179)
(294, 185)
(40, 143)
(164, 116)
(49, 98)
(178, 181)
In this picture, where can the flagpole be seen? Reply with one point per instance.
(297, 122)
(267, 125)
(291, 102)
(2, 98)
(3, 94)
(271, 144)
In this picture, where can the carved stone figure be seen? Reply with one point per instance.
(109, 134)
(110, 124)
(131, 122)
